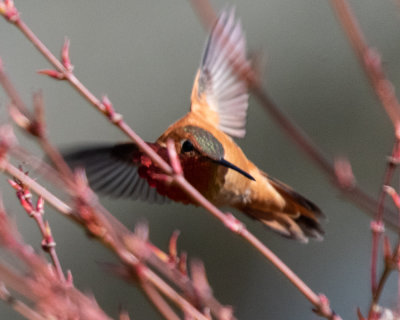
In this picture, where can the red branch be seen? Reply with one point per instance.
(36, 212)
(370, 60)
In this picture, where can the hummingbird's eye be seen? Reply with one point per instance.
(187, 146)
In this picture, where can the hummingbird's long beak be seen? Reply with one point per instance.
(227, 164)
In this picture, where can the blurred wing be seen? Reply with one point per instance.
(218, 94)
(111, 170)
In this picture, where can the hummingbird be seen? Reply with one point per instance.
(212, 162)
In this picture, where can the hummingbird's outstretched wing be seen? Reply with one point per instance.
(218, 94)
(111, 170)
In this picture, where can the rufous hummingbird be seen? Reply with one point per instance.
(212, 162)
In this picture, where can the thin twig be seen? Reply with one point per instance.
(11, 91)
(370, 60)
(19, 306)
(391, 264)
(161, 305)
(391, 257)
(56, 203)
(41, 285)
(377, 226)
(36, 212)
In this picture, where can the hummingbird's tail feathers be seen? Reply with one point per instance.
(218, 92)
(297, 227)
(297, 199)
(297, 218)
(300, 211)
(283, 224)
(311, 228)
(111, 171)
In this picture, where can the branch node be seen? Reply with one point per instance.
(393, 160)
(9, 11)
(47, 245)
(108, 109)
(393, 194)
(18, 117)
(65, 59)
(233, 224)
(377, 227)
(70, 279)
(52, 74)
(344, 173)
(323, 308)
(372, 59)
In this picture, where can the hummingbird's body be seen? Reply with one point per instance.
(222, 186)
(212, 162)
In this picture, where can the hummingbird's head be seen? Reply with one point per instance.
(192, 141)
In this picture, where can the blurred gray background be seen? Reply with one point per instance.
(144, 55)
